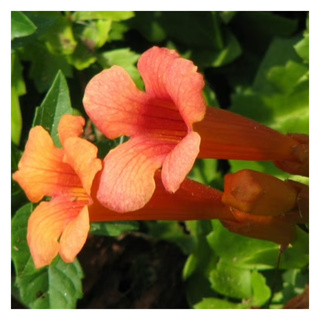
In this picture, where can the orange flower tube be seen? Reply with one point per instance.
(276, 229)
(169, 126)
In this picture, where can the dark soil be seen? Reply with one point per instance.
(133, 271)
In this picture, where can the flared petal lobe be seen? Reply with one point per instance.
(167, 76)
(70, 126)
(46, 225)
(127, 182)
(114, 103)
(42, 171)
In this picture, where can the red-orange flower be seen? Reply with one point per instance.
(62, 224)
(169, 126)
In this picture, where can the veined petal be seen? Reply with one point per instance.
(127, 180)
(42, 170)
(114, 103)
(179, 161)
(82, 157)
(74, 236)
(46, 225)
(167, 76)
(70, 126)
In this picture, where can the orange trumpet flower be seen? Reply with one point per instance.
(60, 225)
(169, 126)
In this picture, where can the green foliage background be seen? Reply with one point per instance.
(255, 64)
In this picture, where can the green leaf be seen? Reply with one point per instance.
(82, 57)
(57, 286)
(261, 292)
(302, 48)
(238, 250)
(16, 118)
(94, 34)
(20, 252)
(173, 232)
(59, 39)
(148, 24)
(231, 281)
(21, 26)
(18, 88)
(214, 303)
(124, 58)
(112, 15)
(53, 107)
(113, 229)
(229, 52)
(17, 80)
(43, 20)
(43, 70)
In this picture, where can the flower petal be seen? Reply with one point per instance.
(167, 76)
(45, 226)
(41, 168)
(70, 126)
(113, 102)
(74, 236)
(127, 181)
(180, 161)
(82, 157)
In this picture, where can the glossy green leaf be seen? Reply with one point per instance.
(148, 24)
(20, 252)
(112, 15)
(59, 39)
(43, 20)
(17, 80)
(238, 250)
(57, 286)
(113, 229)
(214, 303)
(302, 48)
(53, 107)
(82, 57)
(16, 118)
(43, 71)
(231, 281)
(261, 292)
(124, 58)
(21, 26)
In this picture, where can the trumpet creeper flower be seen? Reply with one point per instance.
(169, 126)
(60, 225)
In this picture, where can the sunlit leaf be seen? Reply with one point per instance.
(124, 58)
(54, 106)
(21, 26)
(112, 15)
